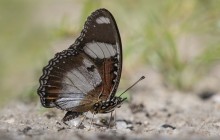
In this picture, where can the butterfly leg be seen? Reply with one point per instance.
(84, 116)
(115, 120)
(70, 115)
(93, 114)
(109, 125)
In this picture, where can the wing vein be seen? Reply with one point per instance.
(101, 49)
(91, 50)
(108, 50)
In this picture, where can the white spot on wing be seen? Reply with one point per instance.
(95, 76)
(100, 50)
(80, 80)
(103, 20)
(67, 103)
(90, 52)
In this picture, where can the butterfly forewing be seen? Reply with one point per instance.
(88, 70)
(100, 40)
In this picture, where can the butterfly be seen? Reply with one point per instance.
(85, 77)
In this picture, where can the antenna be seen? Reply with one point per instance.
(142, 77)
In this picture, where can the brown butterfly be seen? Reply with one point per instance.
(85, 76)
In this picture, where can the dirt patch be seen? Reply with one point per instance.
(152, 114)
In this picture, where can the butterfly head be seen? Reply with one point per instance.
(109, 105)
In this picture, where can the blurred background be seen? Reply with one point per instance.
(175, 44)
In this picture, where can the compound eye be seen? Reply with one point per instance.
(113, 99)
(118, 100)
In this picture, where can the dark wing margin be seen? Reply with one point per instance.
(51, 72)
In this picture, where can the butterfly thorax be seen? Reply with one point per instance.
(108, 105)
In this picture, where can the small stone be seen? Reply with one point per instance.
(11, 120)
(168, 126)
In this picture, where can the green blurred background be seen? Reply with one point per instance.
(179, 39)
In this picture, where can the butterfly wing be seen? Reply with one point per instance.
(88, 70)
(100, 40)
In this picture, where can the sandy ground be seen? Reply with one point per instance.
(153, 112)
(150, 113)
